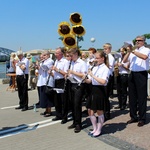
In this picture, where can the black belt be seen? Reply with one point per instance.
(19, 75)
(138, 71)
(59, 79)
(124, 74)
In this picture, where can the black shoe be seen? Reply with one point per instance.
(77, 129)
(24, 109)
(132, 121)
(72, 126)
(19, 107)
(140, 124)
(64, 121)
(44, 113)
(48, 114)
(94, 136)
(56, 118)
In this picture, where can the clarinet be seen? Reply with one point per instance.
(86, 76)
(65, 83)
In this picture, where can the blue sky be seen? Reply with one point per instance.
(33, 24)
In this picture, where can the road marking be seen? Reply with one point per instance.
(9, 107)
(27, 128)
(40, 122)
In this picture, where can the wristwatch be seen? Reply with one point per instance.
(58, 70)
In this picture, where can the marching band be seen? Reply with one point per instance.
(71, 78)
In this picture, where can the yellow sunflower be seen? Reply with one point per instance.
(69, 41)
(75, 19)
(64, 28)
(78, 30)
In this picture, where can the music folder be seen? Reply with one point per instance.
(58, 90)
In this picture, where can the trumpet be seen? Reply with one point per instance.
(41, 61)
(38, 63)
(130, 48)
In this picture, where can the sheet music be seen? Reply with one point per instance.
(72, 80)
(58, 90)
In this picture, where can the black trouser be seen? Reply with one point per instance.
(22, 84)
(59, 97)
(138, 94)
(122, 85)
(76, 102)
(66, 99)
(107, 92)
(111, 85)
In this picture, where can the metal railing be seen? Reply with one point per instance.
(3, 70)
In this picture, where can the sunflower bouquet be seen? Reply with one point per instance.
(72, 34)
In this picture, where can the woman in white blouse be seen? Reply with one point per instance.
(46, 101)
(98, 76)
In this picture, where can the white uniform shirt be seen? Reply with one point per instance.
(78, 66)
(138, 64)
(122, 70)
(111, 60)
(19, 71)
(43, 73)
(63, 65)
(100, 71)
(89, 60)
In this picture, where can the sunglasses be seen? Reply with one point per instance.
(67, 55)
(138, 40)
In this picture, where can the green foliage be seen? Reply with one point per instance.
(100, 49)
(147, 36)
(61, 38)
(80, 38)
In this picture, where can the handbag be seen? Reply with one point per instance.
(48, 90)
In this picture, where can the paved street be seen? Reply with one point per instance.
(29, 130)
